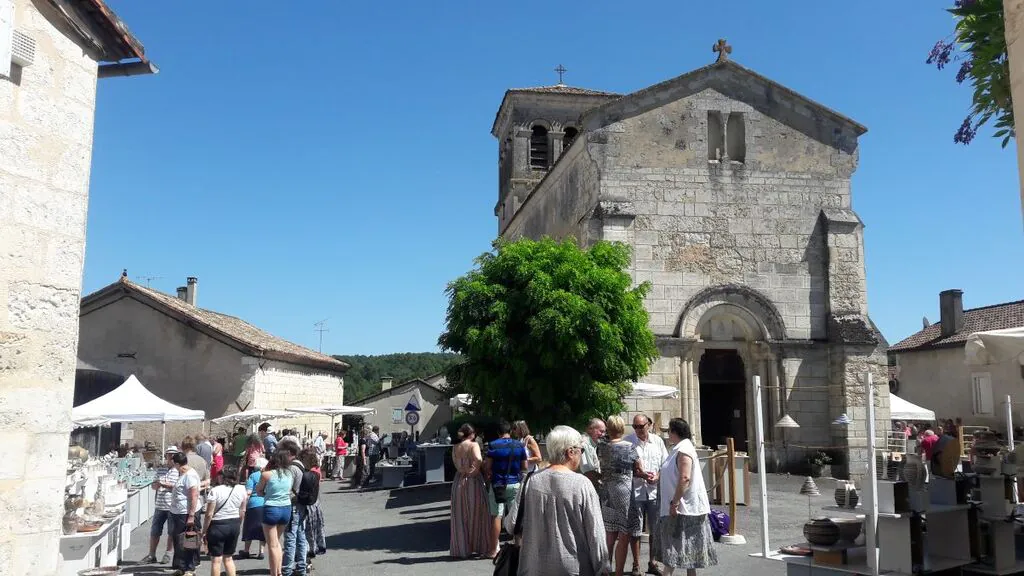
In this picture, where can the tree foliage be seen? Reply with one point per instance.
(551, 333)
(364, 377)
(978, 42)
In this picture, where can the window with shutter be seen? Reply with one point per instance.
(981, 385)
(6, 36)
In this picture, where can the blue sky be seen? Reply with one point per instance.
(329, 159)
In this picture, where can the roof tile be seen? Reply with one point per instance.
(995, 317)
(563, 89)
(237, 329)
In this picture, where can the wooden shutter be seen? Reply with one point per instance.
(6, 36)
(981, 385)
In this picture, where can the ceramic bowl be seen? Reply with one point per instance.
(821, 532)
(849, 528)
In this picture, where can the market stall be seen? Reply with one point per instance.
(335, 410)
(108, 496)
(900, 409)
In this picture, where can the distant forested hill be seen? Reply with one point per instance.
(364, 377)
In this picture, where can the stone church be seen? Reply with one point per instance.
(734, 193)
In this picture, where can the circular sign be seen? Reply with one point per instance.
(412, 418)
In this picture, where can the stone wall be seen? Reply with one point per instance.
(282, 385)
(46, 124)
(940, 380)
(701, 223)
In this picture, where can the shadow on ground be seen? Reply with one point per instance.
(430, 537)
(418, 496)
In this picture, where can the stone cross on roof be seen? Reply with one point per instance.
(723, 50)
(561, 71)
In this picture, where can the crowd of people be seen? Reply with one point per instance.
(587, 510)
(268, 493)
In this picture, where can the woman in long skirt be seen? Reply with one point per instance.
(470, 517)
(685, 534)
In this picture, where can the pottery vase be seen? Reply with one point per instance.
(852, 498)
(842, 493)
(914, 472)
(69, 523)
(821, 532)
(881, 469)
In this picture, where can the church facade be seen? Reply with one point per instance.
(734, 193)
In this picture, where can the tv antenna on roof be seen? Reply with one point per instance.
(321, 327)
(149, 279)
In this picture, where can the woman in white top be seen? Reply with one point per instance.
(686, 539)
(225, 507)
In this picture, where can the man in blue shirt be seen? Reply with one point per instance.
(503, 467)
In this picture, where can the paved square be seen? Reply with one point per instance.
(407, 531)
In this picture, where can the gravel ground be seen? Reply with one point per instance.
(406, 532)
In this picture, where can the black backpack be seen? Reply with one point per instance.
(309, 488)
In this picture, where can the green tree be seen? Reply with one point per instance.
(978, 43)
(363, 378)
(550, 333)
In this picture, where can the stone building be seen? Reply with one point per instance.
(51, 54)
(734, 193)
(390, 403)
(930, 368)
(201, 359)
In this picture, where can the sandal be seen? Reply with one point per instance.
(636, 571)
(243, 555)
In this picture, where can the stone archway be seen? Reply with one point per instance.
(730, 328)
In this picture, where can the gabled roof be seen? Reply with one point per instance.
(709, 76)
(228, 329)
(396, 388)
(557, 89)
(563, 89)
(995, 317)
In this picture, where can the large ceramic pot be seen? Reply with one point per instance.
(821, 532)
(914, 472)
(849, 528)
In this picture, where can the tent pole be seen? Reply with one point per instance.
(163, 438)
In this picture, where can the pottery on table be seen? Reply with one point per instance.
(852, 498)
(914, 472)
(986, 464)
(849, 528)
(845, 493)
(821, 532)
(881, 468)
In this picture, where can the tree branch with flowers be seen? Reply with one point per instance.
(978, 44)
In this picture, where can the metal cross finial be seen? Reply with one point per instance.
(723, 50)
(561, 71)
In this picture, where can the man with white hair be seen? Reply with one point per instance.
(590, 466)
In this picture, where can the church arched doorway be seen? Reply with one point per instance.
(723, 397)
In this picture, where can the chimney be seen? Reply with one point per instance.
(385, 382)
(181, 293)
(190, 289)
(951, 311)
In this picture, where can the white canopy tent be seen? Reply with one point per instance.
(252, 416)
(996, 346)
(642, 390)
(900, 409)
(132, 402)
(334, 411)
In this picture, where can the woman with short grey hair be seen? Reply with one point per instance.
(560, 519)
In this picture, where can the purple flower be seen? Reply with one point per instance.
(965, 133)
(965, 69)
(939, 54)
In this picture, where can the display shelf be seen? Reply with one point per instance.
(983, 569)
(857, 511)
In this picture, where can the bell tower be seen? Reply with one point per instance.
(534, 127)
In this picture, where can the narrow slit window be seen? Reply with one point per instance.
(570, 136)
(716, 136)
(737, 136)
(539, 148)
